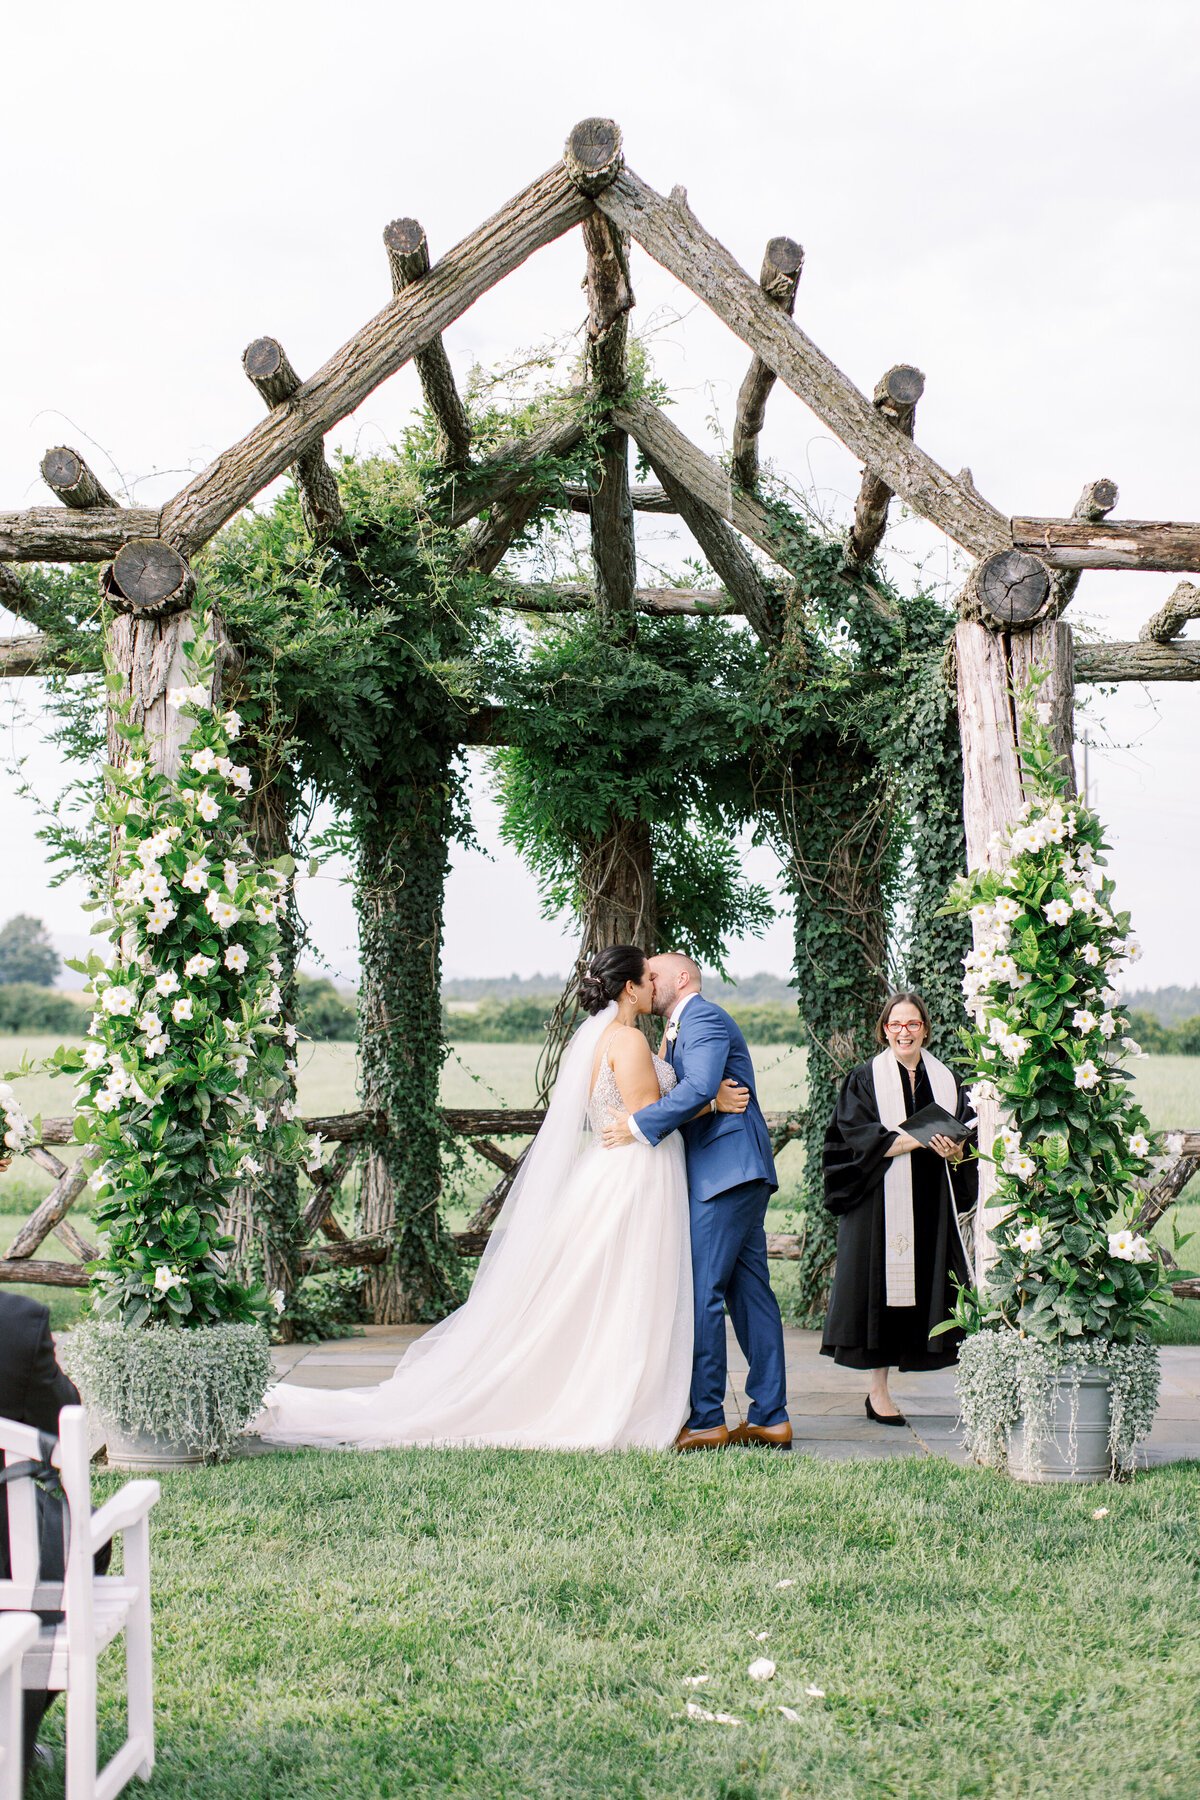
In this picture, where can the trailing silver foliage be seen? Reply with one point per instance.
(199, 1388)
(1002, 1376)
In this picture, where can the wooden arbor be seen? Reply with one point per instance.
(1025, 569)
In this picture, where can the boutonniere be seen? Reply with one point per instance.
(672, 1032)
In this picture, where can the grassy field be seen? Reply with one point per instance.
(503, 1074)
(499, 1625)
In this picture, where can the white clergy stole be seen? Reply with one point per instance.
(899, 1258)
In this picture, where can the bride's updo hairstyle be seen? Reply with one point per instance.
(606, 978)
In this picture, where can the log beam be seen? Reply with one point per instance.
(338, 1128)
(499, 476)
(45, 1274)
(68, 476)
(269, 371)
(408, 259)
(726, 554)
(783, 261)
(1111, 544)
(542, 212)
(1169, 621)
(644, 498)
(896, 396)
(27, 655)
(69, 534)
(1138, 662)
(580, 596)
(354, 1253)
(48, 1216)
(671, 233)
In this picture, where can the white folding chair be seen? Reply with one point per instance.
(18, 1631)
(97, 1608)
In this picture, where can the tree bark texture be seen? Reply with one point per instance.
(269, 370)
(408, 260)
(1011, 588)
(671, 234)
(66, 473)
(45, 1274)
(68, 534)
(896, 396)
(1138, 662)
(1169, 621)
(780, 277)
(645, 498)
(538, 215)
(150, 655)
(1111, 544)
(580, 596)
(402, 867)
(49, 1214)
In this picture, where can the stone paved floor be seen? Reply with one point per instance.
(825, 1402)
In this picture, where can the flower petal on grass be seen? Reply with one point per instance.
(760, 1637)
(696, 1680)
(815, 1693)
(780, 1584)
(761, 1669)
(1101, 1512)
(790, 1714)
(710, 1718)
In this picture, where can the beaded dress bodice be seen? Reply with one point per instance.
(606, 1095)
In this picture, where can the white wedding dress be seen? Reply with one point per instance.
(578, 1330)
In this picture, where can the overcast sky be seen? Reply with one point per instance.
(1004, 196)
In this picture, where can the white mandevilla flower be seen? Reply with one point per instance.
(118, 1081)
(233, 725)
(1139, 1144)
(1132, 1047)
(229, 870)
(236, 958)
(250, 1165)
(182, 1009)
(1106, 1024)
(104, 1101)
(264, 914)
(225, 916)
(1023, 1167)
(208, 807)
(278, 1300)
(1142, 1251)
(1029, 1241)
(165, 1279)
(1087, 1074)
(1132, 949)
(167, 982)
(289, 1032)
(224, 767)
(1120, 1245)
(1175, 1143)
(178, 697)
(1045, 712)
(149, 1021)
(1056, 831)
(1007, 909)
(260, 1119)
(1015, 1047)
(198, 965)
(241, 779)
(1058, 912)
(158, 920)
(195, 878)
(982, 913)
(1081, 900)
(118, 1001)
(240, 1065)
(1010, 1139)
(204, 760)
(199, 695)
(1083, 1020)
(156, 1045)
(93, 1056)
(1091, 955)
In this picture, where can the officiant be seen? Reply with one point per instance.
(897, 1196)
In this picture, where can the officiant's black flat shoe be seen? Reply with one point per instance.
(884, 1418)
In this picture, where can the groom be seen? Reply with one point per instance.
(731, 1176)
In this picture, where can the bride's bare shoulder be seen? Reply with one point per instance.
(628, 1044)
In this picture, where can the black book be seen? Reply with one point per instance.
(933, 1121)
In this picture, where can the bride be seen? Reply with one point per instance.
(577, 1333)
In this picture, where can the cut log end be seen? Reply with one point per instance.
(263, 358)
(1013, 587)
(593, 154)
(785, 255)
(150, 578)
(404, 236)
(1097, 499)
(901, 387)
(67, 475)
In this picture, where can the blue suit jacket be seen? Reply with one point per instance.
(723, 1149)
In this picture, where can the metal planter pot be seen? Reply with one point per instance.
(143, 1453)
(1073, 1450)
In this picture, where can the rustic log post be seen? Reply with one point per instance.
(1116, 544)
(783, 261)
(149, 587)
(994, 655)
(896, 396)
(1095, 503)
(509, 468)
(408, 260)
(646, 498)
(614, 550)
(1177, 661)
(269, 370)
(70, 478)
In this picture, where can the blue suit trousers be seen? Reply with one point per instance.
(729, 1270)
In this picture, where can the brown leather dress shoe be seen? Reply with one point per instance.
(775, 1437)
(714, 1438)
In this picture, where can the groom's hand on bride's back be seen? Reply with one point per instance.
(617, 1133)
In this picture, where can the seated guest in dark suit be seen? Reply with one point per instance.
(32, 1390)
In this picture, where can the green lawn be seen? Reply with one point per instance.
(501, 1624)
(503, 1074)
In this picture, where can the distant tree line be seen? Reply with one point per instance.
(1182, 1039)
(524, 1021)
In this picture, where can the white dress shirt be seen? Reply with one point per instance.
(676, 1010)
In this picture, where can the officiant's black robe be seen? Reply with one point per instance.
(861, 1330)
